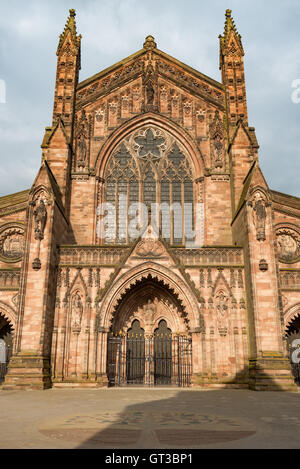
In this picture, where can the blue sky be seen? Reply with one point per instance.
(114, 29)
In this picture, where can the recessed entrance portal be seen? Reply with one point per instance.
(150, 343)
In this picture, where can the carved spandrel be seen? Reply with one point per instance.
(288, 244)
(12, 243)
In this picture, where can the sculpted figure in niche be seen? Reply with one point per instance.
(222, 308)
(40, 218)
(82, 152)
(77, 308)
(150, 93)
(260, 217)
(149, 311)
(218, 151)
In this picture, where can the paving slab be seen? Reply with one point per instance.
(141, 418)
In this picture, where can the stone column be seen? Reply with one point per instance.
(269, 369)
(101, 357)
(30, 365)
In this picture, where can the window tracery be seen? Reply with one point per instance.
(150, 167)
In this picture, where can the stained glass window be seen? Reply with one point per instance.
(150, 167)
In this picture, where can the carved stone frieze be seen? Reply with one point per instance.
(207, 256)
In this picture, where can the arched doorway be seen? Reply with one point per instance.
(293, 346)
(149, 343)
(6, 340)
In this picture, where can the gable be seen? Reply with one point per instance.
(148, 81)
(134, 66)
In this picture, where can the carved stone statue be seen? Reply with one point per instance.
(222, 308)
(260, 217)
(218, 152)
(149, 311)
(150, 93)
(77, 310)
(40, 218)
(82, 150)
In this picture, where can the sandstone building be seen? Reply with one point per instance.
(200, 285)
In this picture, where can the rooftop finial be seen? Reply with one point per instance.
(72, 13)
(149, 43)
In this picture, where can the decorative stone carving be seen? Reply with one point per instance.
(36, 264)
(82, 139)
(149, 43)
(12, 243)
(200, 113)
(150, 93)
(222, 309)
(259, 216)
(99, 115)
(149, 248)
(77, 311)
(40, 218)
(82, 151)
(263, 265)
(217, 142)
(288, 244)
(149, 312)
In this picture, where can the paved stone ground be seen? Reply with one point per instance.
(148, 418)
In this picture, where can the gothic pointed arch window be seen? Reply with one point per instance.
(149, 167)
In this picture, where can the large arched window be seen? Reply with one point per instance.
(149, 167)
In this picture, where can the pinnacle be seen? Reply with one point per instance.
(70, 26)
(230, 27)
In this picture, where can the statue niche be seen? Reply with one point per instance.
(82, 152)
(260, 215)
(77, 311)
(222, 313)
(150, 93)
(40, 219)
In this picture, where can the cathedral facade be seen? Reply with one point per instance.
(150, 249)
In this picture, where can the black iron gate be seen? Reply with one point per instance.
(158, 360)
